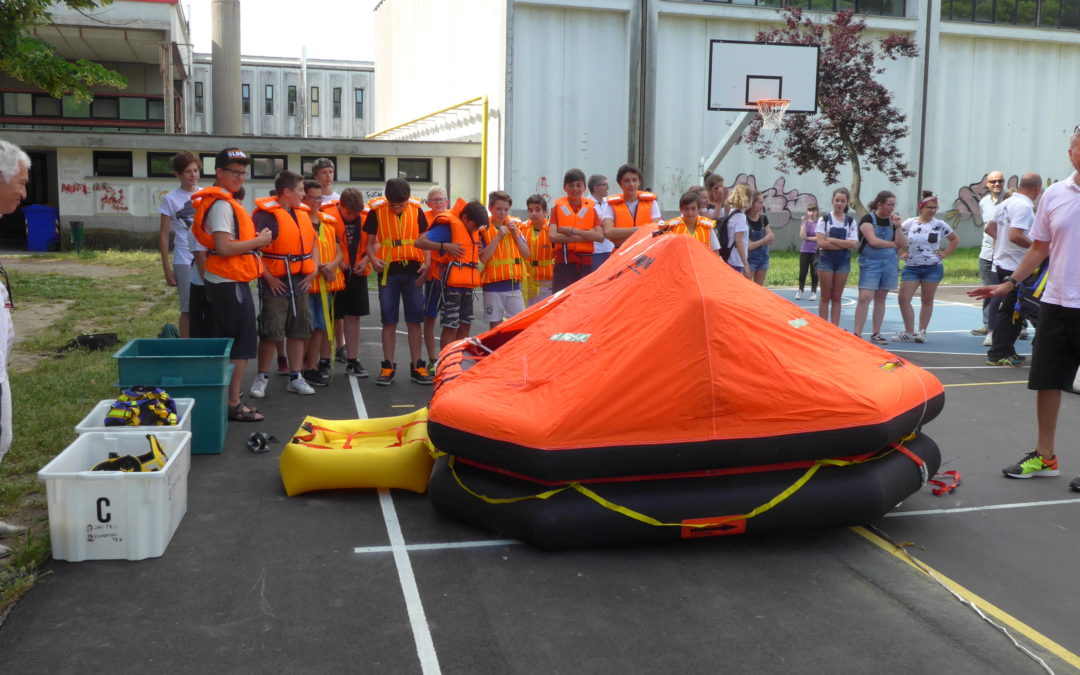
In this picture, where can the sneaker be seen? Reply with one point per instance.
(1033, 464)
(431, 367)
(988, 341)
(1075, 484)
(7, 529)
(315, 378)
(813, 296)
(798, 295)
(879, 339)
(300, 386)
(258, 385)
(282, 365)
(386, 374)
(1007, 362)
(356, 369)
(919, 336)
(1024, 334)
(325, 369)
(902, 336)
(340, 357)
(420, 374)
(1018, 358)
(979, 331)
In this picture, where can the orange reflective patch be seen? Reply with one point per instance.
(720, 526)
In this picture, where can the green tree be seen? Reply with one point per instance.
(36, 63)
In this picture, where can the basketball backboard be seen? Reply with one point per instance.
(740, 73)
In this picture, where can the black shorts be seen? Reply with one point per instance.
(1056, 352)
(197, 311)
(230, 312)
(353, 299)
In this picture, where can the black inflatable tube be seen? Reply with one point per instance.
(834, 496)
(659, 458)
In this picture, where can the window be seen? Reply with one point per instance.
(367, 169)
(268, 166)
(1042, 13)
(314, 101)
(199, 107)
(112, 163)
(358, 98)
(418, 170)
(132, 108)
(73, 107)
(47, 106)
(337, 103)
(208, 162)
(105, 108)
(155, 109)
(292, 100)
(269, 100)
(245, 99)
(159, 164)
(18, 104)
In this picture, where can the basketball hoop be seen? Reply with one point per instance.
(772, 111)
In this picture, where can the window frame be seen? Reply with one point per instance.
(336, 98)
(426, 161)
(100, 155)
(358, 103)
(150, 156)
(291, 98)
(314, 101)
(245, 99)
(354, 178)
(267, 156)
(198, 97)
(268, 103)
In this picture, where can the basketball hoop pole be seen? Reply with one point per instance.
(727, 142)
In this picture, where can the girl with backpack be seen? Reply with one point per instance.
(760, 236)
(837, 236)
(924, 269)
(733, 229)
(879, 261)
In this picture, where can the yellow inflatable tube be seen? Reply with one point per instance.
(387, 452)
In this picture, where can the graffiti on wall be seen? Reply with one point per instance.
(75, 189)
(966, 204)
(111, 198)
(781, 205)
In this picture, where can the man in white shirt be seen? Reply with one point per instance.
(1011, 243)
(1055, 234)
(598, 190)
(322, 170)
(14, 174)
(995, 183)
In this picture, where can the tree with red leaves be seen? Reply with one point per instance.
(856, 118)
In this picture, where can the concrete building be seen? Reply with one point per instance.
(596, 83)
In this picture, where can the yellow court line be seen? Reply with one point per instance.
(998, 613)
(984, 384)
(403, 405)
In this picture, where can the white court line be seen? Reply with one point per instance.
(425, 647)
(490, 543)
(992, 507)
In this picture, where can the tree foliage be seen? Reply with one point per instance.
(36, 63)
(856, 118)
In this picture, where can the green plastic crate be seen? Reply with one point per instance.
(196, 360)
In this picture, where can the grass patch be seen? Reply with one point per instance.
(962, 268)
(50, 398)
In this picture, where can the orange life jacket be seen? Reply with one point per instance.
(289, 252)
(333, 208)
(541, 253)
(397, 235)
(439, 259)
(505, 263)
(243, 267)
(701, 230)
(579, 252)
(327, 242)
(463, 272)
(623, 217)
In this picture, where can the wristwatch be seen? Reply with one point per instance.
(1015, 283)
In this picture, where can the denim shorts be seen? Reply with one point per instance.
(432, 296)
(878, 274)
(401, 289)
(930, 273)
(835, 264)
(318, 318)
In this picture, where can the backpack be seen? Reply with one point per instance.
(1029, 294)
(726, 244)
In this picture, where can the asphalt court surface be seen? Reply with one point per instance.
(377, 581)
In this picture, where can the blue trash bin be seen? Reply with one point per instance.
(42, 227)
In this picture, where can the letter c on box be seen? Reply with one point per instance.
(103, 516)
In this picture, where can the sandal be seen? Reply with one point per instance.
(242, 412)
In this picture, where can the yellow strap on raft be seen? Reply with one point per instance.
(649, 520)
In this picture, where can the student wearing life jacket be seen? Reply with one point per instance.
(505, 257)
(438, 202)
(225, 229)
(329, 280)
(692, 224)
(598, 191)
(351, 303)
(395, 223)
(291, 263)
(631, 209)
(573, 227)
(456, 241)
(541, 253)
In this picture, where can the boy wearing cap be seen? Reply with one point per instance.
(225, 228)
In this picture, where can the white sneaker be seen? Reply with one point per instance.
(988, 341)
(300, 386)
(813, 296)
(902, 337)
(258, 385)
(919, 336)
(7, 529)
(798, 295)
(1024, 334)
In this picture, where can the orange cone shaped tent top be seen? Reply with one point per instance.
(667, 360)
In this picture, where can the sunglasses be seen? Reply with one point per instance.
(992, 182)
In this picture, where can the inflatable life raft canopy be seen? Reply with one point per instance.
(667, 360)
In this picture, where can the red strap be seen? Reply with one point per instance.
(945, 487)
(915, 458)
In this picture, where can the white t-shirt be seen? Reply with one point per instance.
(735, 224)
(603, 211)
(331, 197)
(1058, 222)
(851, 229)
(924, 239)
(1015, 213)
(987, 206)
(177, 206)
(219, 218)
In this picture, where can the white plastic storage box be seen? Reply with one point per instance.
(110, 515)
(95, 421)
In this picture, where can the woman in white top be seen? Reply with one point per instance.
(177, 215)
(737, 203)
(923, 270)
(837, 237)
